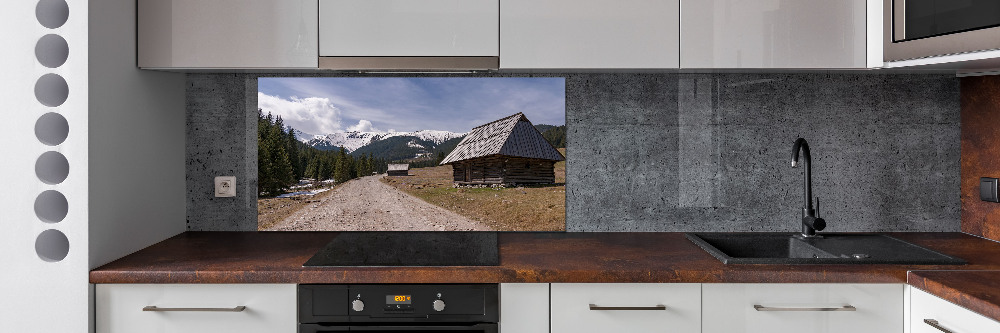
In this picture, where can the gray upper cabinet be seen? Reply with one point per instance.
(221, 34)
(583, 34)
(779, 34)
(409, 28)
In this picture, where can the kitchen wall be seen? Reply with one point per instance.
(683, 152)
(980, 153)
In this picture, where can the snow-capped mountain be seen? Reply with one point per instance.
(352, 141)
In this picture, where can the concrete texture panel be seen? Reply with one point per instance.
(221, 141)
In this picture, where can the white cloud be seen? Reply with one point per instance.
(363, 126)
(313, 115)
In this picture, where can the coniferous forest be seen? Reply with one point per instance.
(283, 160)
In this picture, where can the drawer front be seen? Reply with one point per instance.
(949, 316)
(269, 308)
(729, 308)
(524, 308)
(616, 303)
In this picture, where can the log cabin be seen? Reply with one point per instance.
(399, 169)
(506, 151)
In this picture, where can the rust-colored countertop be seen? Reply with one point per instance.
(277, 257)
(978, 291)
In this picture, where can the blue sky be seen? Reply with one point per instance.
(327, 105)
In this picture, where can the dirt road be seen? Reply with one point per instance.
(368, 204)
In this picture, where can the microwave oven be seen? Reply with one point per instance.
(915, 29)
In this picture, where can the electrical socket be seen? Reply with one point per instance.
(225, 186)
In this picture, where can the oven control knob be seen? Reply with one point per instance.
(438, 305)
(358, 305)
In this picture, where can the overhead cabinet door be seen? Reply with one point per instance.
(773, 34)
(226, 34)
(409, 28)
(589, 34)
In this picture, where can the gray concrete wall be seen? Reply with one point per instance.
(685, 152)
(221, 141)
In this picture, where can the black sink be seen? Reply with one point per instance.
(787, 248)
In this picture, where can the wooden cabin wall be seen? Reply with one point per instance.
(529, 171)
(504, 170)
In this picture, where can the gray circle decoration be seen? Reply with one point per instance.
(52, 168)
(52, 245)
(51, 129)
(51, 90)
(51, 206)
(51, 51)
(52, 13)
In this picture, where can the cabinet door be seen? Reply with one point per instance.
(799, 308)
(589, 34)
(227, 34)
(524, 308)
(626, 307)
(269, 308)
(773, 34)
(409, 28)
(951, 317)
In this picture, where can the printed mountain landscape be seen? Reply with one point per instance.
(410, 146)
(467, 157)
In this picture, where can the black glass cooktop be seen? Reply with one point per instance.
(403, 248)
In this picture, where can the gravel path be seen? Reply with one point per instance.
(366, 203)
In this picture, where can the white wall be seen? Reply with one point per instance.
(126, 132)
(137, 186)
(37, 295)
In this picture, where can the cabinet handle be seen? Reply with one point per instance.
(935, 324)
(630, 308)
(759, 307)
(233, 309)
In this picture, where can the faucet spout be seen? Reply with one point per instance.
(810, 222)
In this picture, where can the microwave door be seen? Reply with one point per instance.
(916, 19)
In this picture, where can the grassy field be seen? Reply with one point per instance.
(525, 208)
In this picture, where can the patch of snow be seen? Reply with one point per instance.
(351, 141)
(414, 144)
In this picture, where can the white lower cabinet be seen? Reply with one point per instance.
(196, 308)
(930, 314)
(524, 307)
(802, 308)
(626, 307)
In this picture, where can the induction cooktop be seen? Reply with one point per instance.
(404, 248)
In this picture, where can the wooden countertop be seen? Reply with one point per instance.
(978, 291)
(277, 257)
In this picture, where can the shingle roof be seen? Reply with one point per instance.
(399, 167)
(511, 136)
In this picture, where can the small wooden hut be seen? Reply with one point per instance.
(505, 151)
(399, 169)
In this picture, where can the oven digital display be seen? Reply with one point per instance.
(397, 299)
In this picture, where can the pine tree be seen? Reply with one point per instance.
(293, 154)
(342, 171)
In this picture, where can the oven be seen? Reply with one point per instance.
(388, 308)
(926, 28)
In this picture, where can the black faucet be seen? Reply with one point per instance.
(810, 222)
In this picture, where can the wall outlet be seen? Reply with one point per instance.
(225, 186)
